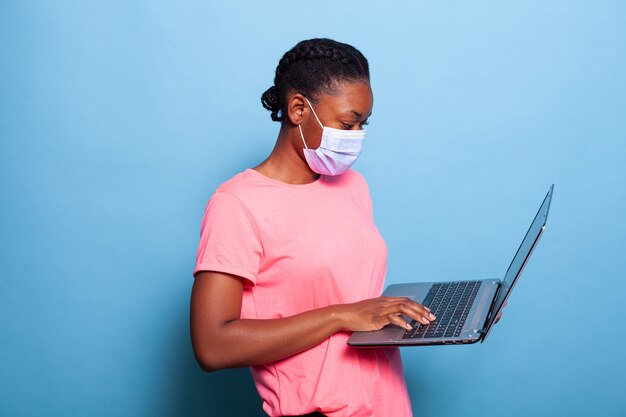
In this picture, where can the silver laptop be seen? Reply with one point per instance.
(465, 310)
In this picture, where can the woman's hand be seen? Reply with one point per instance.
(499, 314)
(376, 313)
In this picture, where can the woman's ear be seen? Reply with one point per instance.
(295, 108)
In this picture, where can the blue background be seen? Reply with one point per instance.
(119, 119)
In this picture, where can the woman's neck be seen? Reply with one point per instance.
(285, 162)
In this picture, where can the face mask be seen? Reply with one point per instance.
(337, 151)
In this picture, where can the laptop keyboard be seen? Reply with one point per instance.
(450, 302)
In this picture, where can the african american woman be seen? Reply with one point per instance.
(290, 261)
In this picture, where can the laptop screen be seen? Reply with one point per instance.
(522, 255)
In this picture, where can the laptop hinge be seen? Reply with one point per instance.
(493, 302)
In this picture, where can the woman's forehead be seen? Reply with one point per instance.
(349, 97)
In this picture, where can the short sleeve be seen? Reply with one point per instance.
(229, 239)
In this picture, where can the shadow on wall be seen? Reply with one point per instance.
(227, 393)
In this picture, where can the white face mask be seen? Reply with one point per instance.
(337, 151)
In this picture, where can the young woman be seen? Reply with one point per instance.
(290, 261)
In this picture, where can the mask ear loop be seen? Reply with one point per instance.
(316, 118)
(314, 114)
(302, 136)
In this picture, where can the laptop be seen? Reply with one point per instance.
(465, 310)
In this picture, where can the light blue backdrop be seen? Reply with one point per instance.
(118, 119)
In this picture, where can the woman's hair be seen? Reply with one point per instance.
(311, 67)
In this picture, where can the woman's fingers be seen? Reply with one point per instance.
(413, 310)
(497, 318)
(375, 313)
(397, 320)
(499, 314)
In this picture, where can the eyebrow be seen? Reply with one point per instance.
(358, 115)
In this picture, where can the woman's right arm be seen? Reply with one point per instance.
(221, 339)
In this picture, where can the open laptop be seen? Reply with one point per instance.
(465, 310)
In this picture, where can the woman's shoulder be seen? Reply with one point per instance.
(356, 176)
(249, 184)
(235, 184)
(350, 178)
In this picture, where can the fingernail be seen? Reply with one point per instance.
(432, 316)
(409, 327)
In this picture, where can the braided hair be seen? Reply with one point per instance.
(311, 67)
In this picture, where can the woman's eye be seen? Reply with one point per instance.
(347, 126)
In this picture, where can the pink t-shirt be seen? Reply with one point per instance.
(298, 248)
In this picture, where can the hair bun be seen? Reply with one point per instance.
(312, 67)
(271, 101)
